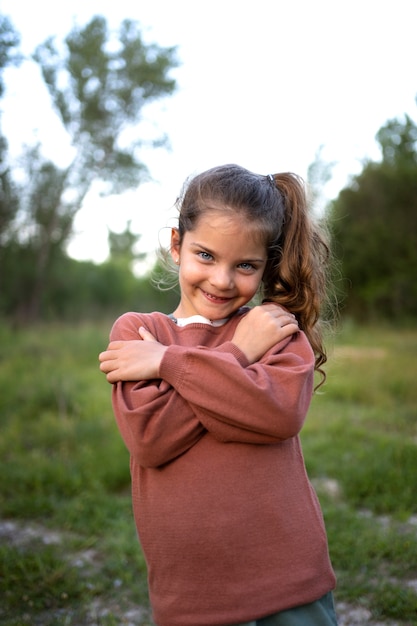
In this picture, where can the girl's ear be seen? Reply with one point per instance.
(175, 245)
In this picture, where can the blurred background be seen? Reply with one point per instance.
(105, 110)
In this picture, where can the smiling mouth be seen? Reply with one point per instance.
(218, 299)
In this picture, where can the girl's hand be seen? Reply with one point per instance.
(263, 327)
(132, 360)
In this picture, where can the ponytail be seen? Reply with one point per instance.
(296, 274)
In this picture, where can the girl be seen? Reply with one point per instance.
(210, 402)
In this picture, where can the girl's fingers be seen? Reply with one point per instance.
(145, 334)
(106, 356)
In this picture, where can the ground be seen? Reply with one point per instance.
(24, 535)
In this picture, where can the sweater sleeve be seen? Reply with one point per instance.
(265, 402)
(155, 422)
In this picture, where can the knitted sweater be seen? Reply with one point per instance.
(230, 526)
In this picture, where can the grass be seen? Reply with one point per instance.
(361, 439)
(63, 466)
(71, 555)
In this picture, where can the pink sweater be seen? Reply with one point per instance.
(229, 523)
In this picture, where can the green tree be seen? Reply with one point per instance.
(99, 83)
(375, 229)
(9, 199)
(319, 173)
(43, 222)
(108, 78)
(9, 45)
(122, 247)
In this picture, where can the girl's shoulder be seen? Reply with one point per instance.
(127, 325)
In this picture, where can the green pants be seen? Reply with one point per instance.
(318, 613)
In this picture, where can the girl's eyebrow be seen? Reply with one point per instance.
(195, 244)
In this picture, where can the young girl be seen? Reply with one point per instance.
(210, 402)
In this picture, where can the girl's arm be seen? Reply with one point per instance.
(262, 328)
(136, 359)
(156, 423)
(261, 402)
(267, 329)
(255, 388)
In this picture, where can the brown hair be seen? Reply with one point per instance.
(297, 248)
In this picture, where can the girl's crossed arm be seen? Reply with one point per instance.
(132, 360)
(156, 423)
(260, 330)
(257, 332)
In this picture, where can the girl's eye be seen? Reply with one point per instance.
(247, 266)
(205, 255)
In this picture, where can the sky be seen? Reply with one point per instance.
(265, 84)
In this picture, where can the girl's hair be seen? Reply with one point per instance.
(298, 252)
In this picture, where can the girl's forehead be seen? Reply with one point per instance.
(219, 220)
(216, 226)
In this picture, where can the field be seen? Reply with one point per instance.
(68, 550)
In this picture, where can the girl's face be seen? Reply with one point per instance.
(221, 263)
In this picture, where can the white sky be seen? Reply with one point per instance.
(261, 83)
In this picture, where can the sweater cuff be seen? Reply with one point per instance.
(231, 348)
(173, 364)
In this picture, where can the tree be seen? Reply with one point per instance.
(122, 247)
(375, 228)
(319, 173)
(9, 201)
(107, 81)
(9, 43)
(398, 143)
(99, 83)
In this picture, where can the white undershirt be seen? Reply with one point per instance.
(198, 319)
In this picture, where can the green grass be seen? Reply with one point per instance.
(64, 469)
(361, 434)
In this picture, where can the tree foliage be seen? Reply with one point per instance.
(375, 229)
(99, 82)
(99, 86)
(9, 199)
(9, 43)
(122, 247)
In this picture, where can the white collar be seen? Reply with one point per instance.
(197, 319)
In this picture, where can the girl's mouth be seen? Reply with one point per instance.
(215, 299)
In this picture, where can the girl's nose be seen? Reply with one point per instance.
(222, 278)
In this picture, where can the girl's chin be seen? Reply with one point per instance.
(215, 313)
